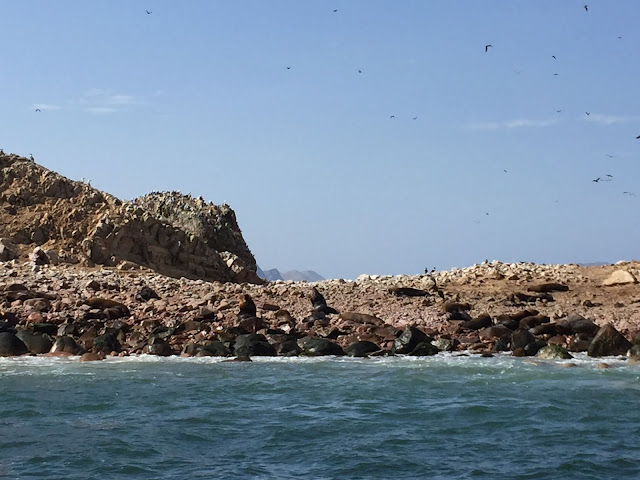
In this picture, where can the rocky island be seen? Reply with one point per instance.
(84, 273)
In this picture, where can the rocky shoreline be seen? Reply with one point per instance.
(548, 311)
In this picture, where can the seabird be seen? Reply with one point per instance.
(38, 110)
(486, 47)
(637, 137)
(629, 193)
(359, 71)
(555, 74)
(148, 12)
(392, 116)
(335, 10)
(587, 113)
(504, 171)
(558, 111)
(596, 180)
(288, 68)
(610, 156)
(610, 176)
(586, 8)
(415, 118)
(31, 157)
(554, 57)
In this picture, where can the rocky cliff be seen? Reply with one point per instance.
(71, 222)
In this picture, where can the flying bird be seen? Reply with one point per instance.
(288, 68)
(415, 118)
(335, 10)
(558, 111)
(392, 116)
(637, 137)
(38, 110)
(596, 180)
(148, 12)
(554, 57)
(630, 194)
(610, 156)
(555, 74)
(586, 8)
(587, 113)
(486, 47)
(359, 71)
(610, 176)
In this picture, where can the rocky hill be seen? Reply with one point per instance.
(73, 223)
(274, 274)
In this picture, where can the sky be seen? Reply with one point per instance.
(349, 136)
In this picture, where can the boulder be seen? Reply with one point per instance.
(252, 345)
(608, 341)
(445, 344)
(530, 349)
(361, 349)
(11, 345)
(408, 340)
(619, 277)
(521, 338)
(314, 346)
(106, 343)
(35, 342)
(553, 352)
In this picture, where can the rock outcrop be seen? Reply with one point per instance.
(71, 222)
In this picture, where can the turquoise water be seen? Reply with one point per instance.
(438, 418)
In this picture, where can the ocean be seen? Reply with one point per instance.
(442, 417)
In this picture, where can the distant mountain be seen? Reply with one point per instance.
(295, 275)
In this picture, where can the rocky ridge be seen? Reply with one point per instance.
(521, 309)
(74, 223)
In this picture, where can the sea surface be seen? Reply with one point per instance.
(443, 417)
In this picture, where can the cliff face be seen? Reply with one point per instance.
(173, 234)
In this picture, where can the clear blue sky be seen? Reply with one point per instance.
(197, 96)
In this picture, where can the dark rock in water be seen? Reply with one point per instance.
(532, 348)
(424, 349)
(146, 293)
(361, 349)
(106, 343)
(549, 287)
(36, 342)
(253, 345)
(576, 323)
(408, 340)
(608, 341)
(11, 345)
(521, 338)
(314, 346)
(553, 352)
(67, 344)
(407, 292)
(483, 321)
